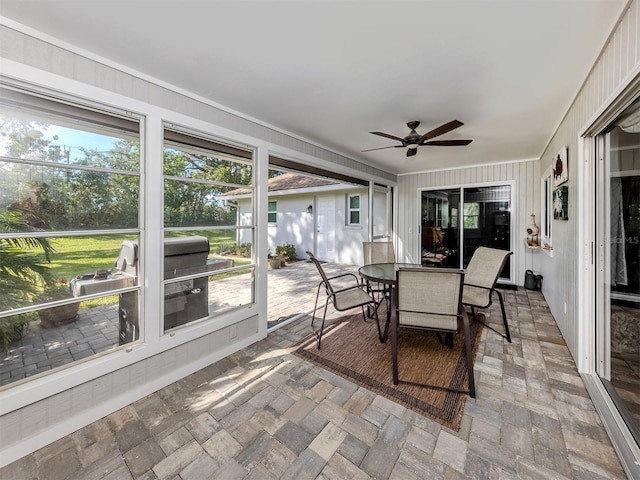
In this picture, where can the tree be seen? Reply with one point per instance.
(20, 273)
(20, 270)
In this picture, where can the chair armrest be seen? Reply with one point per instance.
(345, 275)
(359, 287)
(476, 286)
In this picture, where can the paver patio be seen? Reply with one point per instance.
(263, 413)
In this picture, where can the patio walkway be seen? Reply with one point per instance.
(263, 413)
(97, 329)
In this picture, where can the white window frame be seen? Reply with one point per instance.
(351, 210)
(546, 207)
(272, 212)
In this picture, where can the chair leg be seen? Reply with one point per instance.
(448, 339)
(372, 293)
(394, 349)
(504, 317)
(468, 351)
(313, 316)
(324, 316)
(380, 334)
(507, 334)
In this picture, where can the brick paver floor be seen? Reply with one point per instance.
(264, 414)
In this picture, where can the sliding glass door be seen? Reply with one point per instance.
(440, 225)
(486, 222)
(617, 273)
(454, 222)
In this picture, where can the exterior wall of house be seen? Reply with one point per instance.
(522, 176)
(42, 410)
(295, 225)
(349, 238)
(613, 70)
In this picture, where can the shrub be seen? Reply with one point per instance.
(244, 249)
(13, 328)
(54, 291)
(286, 251)
(224, 248)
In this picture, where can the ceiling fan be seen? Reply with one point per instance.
(415, 140)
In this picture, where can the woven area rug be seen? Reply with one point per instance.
(351, 349)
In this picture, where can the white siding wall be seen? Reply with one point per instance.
(295, 225)
(614, 69)
(525, 180)
(349, 238)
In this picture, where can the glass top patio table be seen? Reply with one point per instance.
(384, 272)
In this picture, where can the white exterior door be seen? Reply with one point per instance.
(326, 228)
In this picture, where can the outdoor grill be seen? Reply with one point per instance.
(185, 301)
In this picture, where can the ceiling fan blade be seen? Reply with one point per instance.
(448, 143)
(386, 135)
(442, 129)
(411, 152)
(382, 148)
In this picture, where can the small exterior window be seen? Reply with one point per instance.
(471, 214)
(272, 212)
(353, 210)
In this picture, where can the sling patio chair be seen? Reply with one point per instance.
(429, 298)
(481, 276)
(378, 252)
(344, 298)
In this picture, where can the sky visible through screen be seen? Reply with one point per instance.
(72, 140)
(75, 139)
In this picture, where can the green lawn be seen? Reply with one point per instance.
(79, 255)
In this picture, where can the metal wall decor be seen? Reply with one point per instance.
(560, 167)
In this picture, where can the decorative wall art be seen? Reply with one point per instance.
(561, 203)
(560, 167)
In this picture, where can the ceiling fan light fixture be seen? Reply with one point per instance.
(414, 140)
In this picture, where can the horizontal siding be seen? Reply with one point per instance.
(620, 58)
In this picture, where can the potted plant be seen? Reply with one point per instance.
(274, 260)
(62, 314)
(286, 252)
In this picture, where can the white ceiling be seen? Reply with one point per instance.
(332, 71)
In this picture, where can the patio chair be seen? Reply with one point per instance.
(343, 299)
(430, 299)
(480, 280)
(378, 252)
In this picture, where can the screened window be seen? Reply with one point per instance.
(353, 213)
(209, 230)
(272, 212)
(70, 199)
